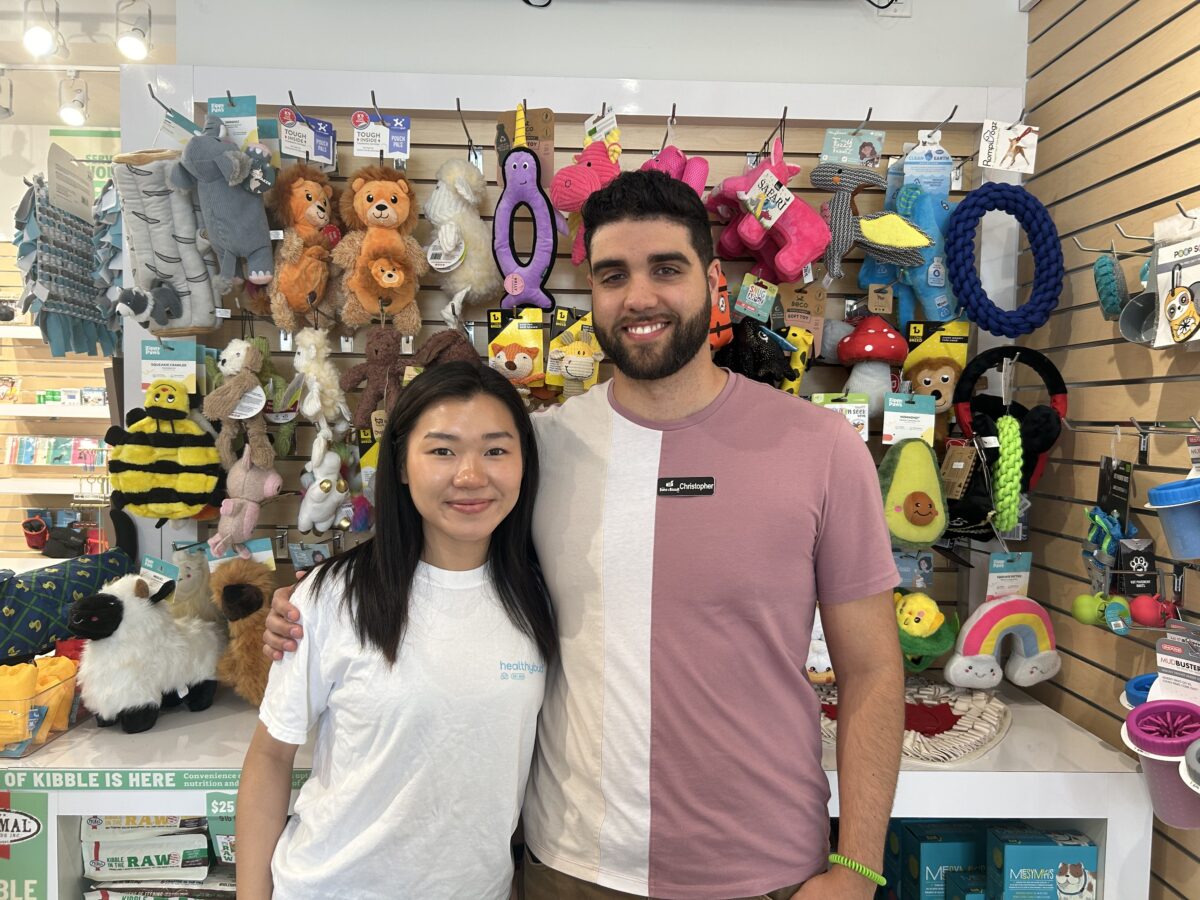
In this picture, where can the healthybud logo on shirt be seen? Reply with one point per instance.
(520, 669)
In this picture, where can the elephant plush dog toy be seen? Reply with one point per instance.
(229, 184)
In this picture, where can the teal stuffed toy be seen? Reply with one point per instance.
(1111, 288)
(928, 280)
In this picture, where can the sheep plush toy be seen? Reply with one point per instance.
(138, 658)
(453, 209)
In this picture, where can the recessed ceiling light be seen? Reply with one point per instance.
(72, 99)
(134, 21)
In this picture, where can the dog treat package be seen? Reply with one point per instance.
(132, 828)
(183, 857)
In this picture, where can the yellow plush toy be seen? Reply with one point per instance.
(164, 465)
(917, 614)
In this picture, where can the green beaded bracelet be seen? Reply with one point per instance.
(838, 860)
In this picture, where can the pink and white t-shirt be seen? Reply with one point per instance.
(679, 752)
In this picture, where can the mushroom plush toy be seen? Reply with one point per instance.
(873, 348)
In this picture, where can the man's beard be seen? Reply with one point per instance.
(651, 363)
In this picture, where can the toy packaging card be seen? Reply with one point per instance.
(239, 115)
(1011, 146)
(1136, 571)
(573, 363)
(517, 345)
(804, 307)
(1028, 864)
(915, 567)
(853, 146)
(852, 406)
(933, 849)
(933, 339)
(175, 360)
(929, 165)
(1177, 279)
(539, 137)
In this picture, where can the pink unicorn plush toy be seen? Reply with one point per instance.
(594, 168)
(691, 171)
(798, 236)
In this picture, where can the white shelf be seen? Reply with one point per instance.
(21, 332)
(52, 411)
(33, 486)
(20, 564)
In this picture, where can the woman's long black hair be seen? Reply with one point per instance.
(379, 572)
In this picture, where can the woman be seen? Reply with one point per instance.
(422, 667)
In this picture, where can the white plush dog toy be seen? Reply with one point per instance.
(325, 496)
(139, 658)
(453, 209)
(323, 403)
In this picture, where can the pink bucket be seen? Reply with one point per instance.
(1160, 732)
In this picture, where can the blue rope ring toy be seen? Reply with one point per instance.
(1047, 258)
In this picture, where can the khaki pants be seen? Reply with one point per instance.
(544, 883)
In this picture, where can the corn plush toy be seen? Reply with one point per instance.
(164, 465)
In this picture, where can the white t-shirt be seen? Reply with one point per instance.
(419, 769)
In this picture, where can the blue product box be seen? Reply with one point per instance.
(931, 850)
(1028, 864)
(966, 886)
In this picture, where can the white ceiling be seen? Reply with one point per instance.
(89, 27)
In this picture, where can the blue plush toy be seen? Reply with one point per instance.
(928, 280)
(872, 271)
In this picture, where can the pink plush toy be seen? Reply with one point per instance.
(594, 168)
(674, 162)
(798, 236)
(248, 487)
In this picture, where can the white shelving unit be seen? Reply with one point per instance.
(34, 486)
(21, 332)
(1046, 769)
(52, 411)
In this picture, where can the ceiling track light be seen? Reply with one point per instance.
(6, 87)
(41, 34)
(134, 21)
(73, 99)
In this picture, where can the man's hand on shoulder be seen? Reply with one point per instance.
(283, 623)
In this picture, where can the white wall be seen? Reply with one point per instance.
(946, 42)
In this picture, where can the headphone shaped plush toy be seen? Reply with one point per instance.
(978, 416)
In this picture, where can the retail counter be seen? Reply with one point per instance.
(1046, 769)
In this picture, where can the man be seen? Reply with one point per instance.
(688, 521)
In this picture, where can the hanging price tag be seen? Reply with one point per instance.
(879, 299)
(156, 572)
(239, 115)
(804, 307)
(767, 199)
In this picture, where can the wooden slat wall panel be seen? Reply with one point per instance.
(438, 136)
(1112, 85)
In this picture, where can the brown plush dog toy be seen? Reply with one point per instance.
(241, 589)
(380, 259)
(240, 363)
(383, 373)
(302, 204)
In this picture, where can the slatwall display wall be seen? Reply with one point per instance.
(1112, 85)
(438, 136)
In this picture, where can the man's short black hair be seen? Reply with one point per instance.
(639, 196)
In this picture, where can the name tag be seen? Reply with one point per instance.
(687, 486)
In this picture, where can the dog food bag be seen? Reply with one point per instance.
(132, 828)
(181, 857)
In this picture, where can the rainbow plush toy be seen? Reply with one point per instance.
(976, 660)
(524, 283)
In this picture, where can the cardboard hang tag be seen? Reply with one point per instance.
(756, 298)
(908, 416)
(1008, 574)
(767, 200)
(957, 467)
(251, 404)
(804, 307)
(879, 299)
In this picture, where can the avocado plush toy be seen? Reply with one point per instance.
(913, 503)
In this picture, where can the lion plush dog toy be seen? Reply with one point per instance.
(380, 258)
(302, 203)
